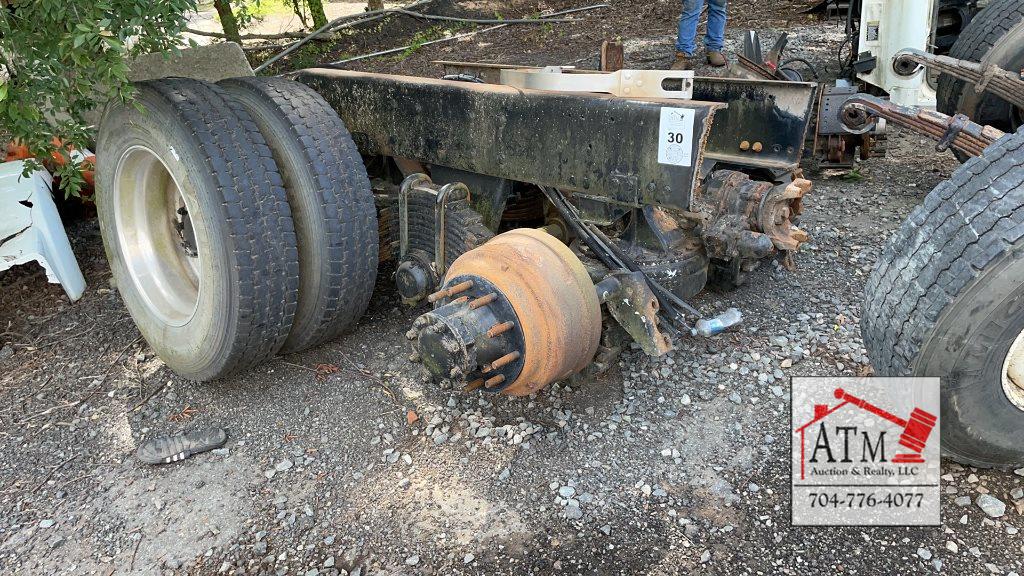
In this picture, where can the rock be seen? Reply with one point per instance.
(47, 523)
(705, 557)
(735, 398)
(412, 560)
(963, 501)
(468, 558)
(329, 563)
(566, 491)
(1017, 493)
(573, 512)
(924, 553)
(1019, 471)
(329, 540)
(607, 529)
(283, 465)
(6, 352)
(992, 506)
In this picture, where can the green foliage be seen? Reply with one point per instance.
(429, 35)
(853, 175)
(62, 58)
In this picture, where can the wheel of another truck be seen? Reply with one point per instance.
(994, 36)
(331, 203)
(946, 299)
(196, 227)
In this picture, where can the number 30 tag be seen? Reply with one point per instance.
(675, 136)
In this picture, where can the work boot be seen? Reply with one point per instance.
(682, 62)
(716, 59)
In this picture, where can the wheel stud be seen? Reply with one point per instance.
(503, 361)
(483, 301)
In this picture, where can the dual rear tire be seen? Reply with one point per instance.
(237, 219)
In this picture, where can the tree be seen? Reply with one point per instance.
(227, 20)
(61, 59)
(316, 10)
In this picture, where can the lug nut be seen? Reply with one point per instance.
(745, 145)
(494, 381)
(758, 147)
(473, 385)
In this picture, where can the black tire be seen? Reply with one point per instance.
(995, 36)
(331, 203)
(230, 306)
(946, 299)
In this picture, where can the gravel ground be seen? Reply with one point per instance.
(342, 461)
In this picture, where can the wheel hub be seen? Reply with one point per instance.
(473, 335)
(1013, 372)
(513, 316)
(157, 236)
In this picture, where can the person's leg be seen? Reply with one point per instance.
(687, 41)
(714, 40)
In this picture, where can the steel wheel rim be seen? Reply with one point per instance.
(1013, 372)
(147, 201)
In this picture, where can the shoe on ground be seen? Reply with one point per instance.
(717, 59)
(682, 62)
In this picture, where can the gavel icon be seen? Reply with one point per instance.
(916, 430)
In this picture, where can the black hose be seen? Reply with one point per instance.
(803, 61)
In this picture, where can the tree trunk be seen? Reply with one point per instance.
(316, 10)
(227, 20)
(375, 5)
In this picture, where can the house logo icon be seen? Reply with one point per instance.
(916, 429)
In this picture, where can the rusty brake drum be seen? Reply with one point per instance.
(513, 316)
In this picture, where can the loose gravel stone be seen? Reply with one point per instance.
(991, 505)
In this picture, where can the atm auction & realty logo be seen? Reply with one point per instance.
(865, 451)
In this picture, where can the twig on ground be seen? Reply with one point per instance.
(336, 24)
(280, 36)
(150, 396)
(548, 18)
(51, 473)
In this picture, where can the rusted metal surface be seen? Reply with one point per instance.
(613, 57)
(635, 307)
(774, 112)
(594, 145)
(749, 219)
(556, 327)
(772, 116)
(955, 132)
(986, 77)
(777, 211)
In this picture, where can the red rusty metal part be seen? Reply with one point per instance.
(553, 298)
(778, 210)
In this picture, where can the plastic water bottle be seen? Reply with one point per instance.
(718, 324)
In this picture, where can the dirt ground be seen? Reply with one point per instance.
(662, 466)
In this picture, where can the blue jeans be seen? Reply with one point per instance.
(715, 38)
